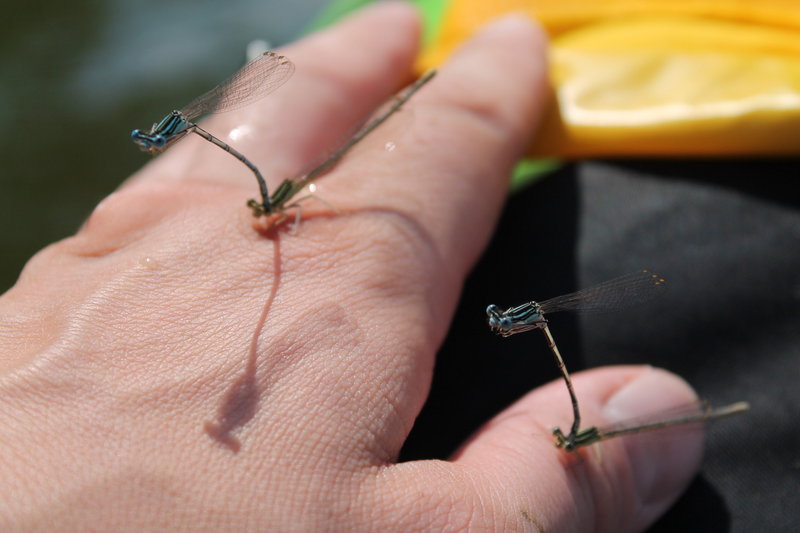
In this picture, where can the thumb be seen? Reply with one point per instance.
(620, 484)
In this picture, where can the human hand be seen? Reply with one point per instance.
(176, 366)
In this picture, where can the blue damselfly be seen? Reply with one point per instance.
(255, 80)
(616, 293)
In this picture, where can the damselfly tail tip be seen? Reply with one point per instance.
(734, 408)
(258, 208)
(427, 75)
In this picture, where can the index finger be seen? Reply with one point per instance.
(444, 160)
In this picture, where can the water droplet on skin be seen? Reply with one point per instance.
(389, 146)
(239, 132)
(148, 262)
(256, 47)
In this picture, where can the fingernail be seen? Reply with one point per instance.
(661, 464)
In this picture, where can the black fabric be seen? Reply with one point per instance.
(726, 236)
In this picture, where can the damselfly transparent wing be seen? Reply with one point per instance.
(624, 291)
(255, 80)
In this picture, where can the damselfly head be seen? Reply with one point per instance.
(495, 318)
(565, 442)
(499, 322)
(147, 142)
(258, 208)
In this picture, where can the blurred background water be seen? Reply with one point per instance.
(78, 76)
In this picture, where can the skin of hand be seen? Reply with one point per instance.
(180, 366)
